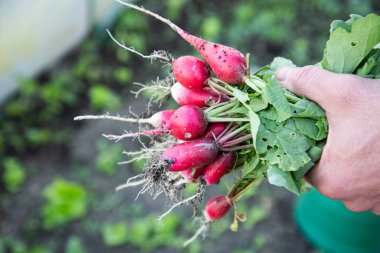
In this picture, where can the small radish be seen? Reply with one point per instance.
(191, 174)
(214, 130)
(228, 64)
(191, 72)
(216, 170)
(191, 154)
(187, 122)
(202, 98)
(161, 118)
(217, 208)
(158, 120)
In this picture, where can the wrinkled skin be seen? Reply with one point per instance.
(349, 169)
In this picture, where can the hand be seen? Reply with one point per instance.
(349, 169)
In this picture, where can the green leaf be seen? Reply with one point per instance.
(280, 62)
(345, 50)
(315, 153)
(312, 128)
(270, 113)
(275, 95)
(258, 103)
(303, 170)
(272, 125)
(371, 67)
(250, 165)
(286, 148)
(346, 25)
(250, 181)
(281, 178)
(254, 121)
(308, 109)
(286, 162)
(288, 139)
(240, 95)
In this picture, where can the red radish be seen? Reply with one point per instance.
(217, 208)
(191, 154)
(216, 170)
(228, 64)
(187, 122)
(191, 174)
(161, 118)
(214, 130)
(202, 98)
(158, 120)
(191, 72)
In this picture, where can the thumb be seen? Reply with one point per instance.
(317, 84)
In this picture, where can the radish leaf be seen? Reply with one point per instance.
(345, 50)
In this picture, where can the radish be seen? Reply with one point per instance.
(216, 170)
(204, 151)
(191, 72)
(191, 174)
(191, 154)
(217, 208)
(202, 98)
(228, 64)
(187, 122)
(214, 130)
(159, 119)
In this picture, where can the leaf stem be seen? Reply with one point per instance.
(237, 140)
(223, 119)
(218, 87)
(228, 136)
(221, 109)
(237, 148)
(291, 97)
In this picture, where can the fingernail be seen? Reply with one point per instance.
(283, 73)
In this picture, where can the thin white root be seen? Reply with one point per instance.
(117, 138)
(117, 118)
(132, 184)
(130, 161)
(128, 183)
(155, 55)
(141, 9)
(177, 204)
(180, 182)
(201, 231)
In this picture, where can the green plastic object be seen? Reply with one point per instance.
(331, 227)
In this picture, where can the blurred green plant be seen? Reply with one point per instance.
(75, 245)
(64, 201)
(259, 241)
(211, 28)
(12, 245)
(103, 98)
(144, 230)
(13, 174)
(109, 154)
(115, 234)
(174, 9)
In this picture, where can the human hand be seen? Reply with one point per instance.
(349, 169)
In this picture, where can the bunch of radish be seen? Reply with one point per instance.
(226, 122)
